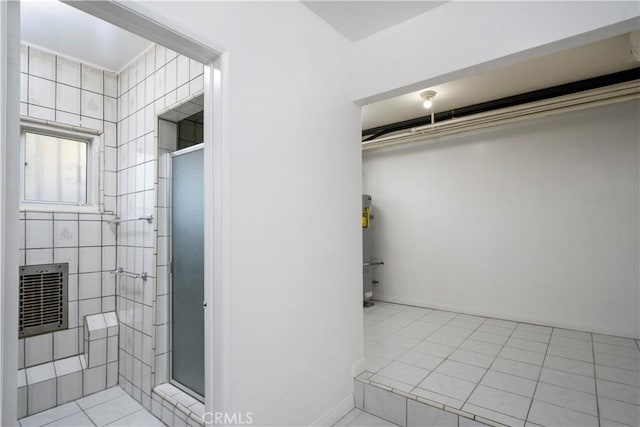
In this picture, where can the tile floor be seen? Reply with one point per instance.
(505, 371)
(112, 407)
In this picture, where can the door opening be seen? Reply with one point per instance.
(135, 19)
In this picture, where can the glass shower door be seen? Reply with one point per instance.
(187, 243)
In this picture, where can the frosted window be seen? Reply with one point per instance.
(55, 169)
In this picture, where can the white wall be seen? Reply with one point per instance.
(456, 37)
(9, 165)
(295, 308)
(536, 221)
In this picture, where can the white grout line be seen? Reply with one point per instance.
(496, 318)
(595, 379)
(548, 344)
(541, 367)
(488, 368)
(51, 420)
(86, 414)
(446, 358)
(533, 395)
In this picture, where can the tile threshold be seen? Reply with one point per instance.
(434, 404)
(173, 396)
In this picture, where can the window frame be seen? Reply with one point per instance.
(93, 140)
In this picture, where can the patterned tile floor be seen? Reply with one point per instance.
(506, 371)
(112, 407)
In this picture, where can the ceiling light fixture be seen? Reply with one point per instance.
(427, 98)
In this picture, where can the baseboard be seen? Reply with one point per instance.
(516, 317)
(336, 413)
(358, 366)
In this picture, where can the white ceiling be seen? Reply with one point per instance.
(359, 19)
(591, 60)
(60, 28)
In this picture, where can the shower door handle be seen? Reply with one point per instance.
(204, 304)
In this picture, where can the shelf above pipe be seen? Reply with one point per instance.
(148, 218)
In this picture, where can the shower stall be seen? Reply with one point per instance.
(181, 352)
(187, 270)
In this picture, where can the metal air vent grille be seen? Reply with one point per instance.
(43, 299)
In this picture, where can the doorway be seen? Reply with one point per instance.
(137, 22)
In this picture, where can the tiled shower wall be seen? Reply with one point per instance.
(65, 92)
(190, 131)
(167, 139)
(157, 79)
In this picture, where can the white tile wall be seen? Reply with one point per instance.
(67, 98)
(146, 86)
(92, 79)
(89, 284)
(55, 383)
(41, 387)
(22, 393)
(95, 379)
(65, 343)
(110, 109)
(38, 349)
(42, 92)
(68, 72)
(97, 352)
(39, 112)
(65, 234)
(91, 105)
(90, 259)
(42, 64)
(170, 76)
(110, 85)
(91, 289)
(59, 89)
(41, 396)
(39, 234)
(69, 387)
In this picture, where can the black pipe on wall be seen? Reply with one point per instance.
(509, 101)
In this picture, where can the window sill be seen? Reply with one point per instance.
(37, 207)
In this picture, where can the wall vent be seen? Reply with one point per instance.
(43, 303)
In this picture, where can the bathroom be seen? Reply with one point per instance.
(102, 213)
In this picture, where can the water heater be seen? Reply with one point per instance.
(370, 264)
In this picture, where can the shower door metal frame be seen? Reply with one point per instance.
(170, 379)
